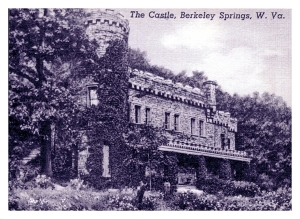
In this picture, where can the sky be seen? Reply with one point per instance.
(243, 56)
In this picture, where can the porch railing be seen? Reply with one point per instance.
(197, 149)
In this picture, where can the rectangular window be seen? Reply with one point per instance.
(223, 141)
(92, 96)
(228, 143)
(201, 128)
(137, 110)
(167, 120)
(105, 161)
(192, 126)
(176, 122)
(147, 116)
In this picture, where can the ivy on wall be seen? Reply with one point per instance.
(108, 120)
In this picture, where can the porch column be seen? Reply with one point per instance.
(201, 172)
(225, 169)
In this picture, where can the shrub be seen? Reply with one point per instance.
(151, 201)
(76, 183)
(71, 199)
(279, 200)
(190, 201)
(44, 182)
(214, 185)
(62, 163)
(265, 182)
(244, 188)
(119, 202)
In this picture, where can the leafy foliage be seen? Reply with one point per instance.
(109, 117)
(214, 185)
(47, 50)
(264, 130)
(143, 141)
(71, 199)
(43, 181)
(279, 200)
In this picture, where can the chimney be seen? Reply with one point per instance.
(210, 93)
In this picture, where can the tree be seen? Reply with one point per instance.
(144, 141)
(138, 59)
(44, 47)
(264, 131)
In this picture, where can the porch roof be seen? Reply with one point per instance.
(187, 148)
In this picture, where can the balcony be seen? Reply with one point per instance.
(197, 149)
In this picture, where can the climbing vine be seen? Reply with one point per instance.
(108, 120)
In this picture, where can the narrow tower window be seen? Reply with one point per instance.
(192, 126)
(167, 120)
(147, 116)
(201, 128)
(137, 110)
(176, 122)
(223, 141)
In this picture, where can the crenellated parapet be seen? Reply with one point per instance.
(156, 85)
(104, 26)
(147, 83)
(224, 119)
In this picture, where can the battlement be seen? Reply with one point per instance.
(166, 88)
(108, 20)
(223, 118)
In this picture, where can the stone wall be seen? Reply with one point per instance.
(104, 26)
(162, 96)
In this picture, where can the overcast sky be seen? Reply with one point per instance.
(243, 56)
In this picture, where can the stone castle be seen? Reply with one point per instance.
(173, 106)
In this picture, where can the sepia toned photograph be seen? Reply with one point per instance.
(147, 109)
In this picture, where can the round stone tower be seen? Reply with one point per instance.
(105, 25)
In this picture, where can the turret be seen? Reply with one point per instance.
(105, 25)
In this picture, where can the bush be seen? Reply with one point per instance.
(214, 185)
(248, 189)
(190, 201)
(43, 182)
(265, 182)
(279, 200)
(76, 184)
(62, 163)
(71, 199)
